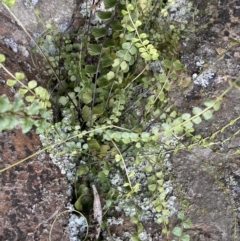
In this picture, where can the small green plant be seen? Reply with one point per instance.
(114, 119)
(36, 113)
(177, 231)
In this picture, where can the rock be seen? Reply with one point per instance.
(209, 177)
(211, 209)
(33, 192)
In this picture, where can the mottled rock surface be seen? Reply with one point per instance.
(210, 176)
(33, 192)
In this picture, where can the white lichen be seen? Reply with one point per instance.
(177, 11)
(30, 3)
(77, 227)
(205, 78)
(11, 44)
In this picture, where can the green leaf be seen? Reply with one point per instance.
(129, 36)
(134, 219)
(162, 196)
(2, 123)
(159, 175)
(181, 215)
(78, 204)
(138, 23)
(82, 170)
(43, 93)
(110, 42)
(18, 103)
(118, 158)
(217, 106)
(9, 3)
(104, 14)
(2, 58)
(110, 75)
(166, 126)
(98, 32)
(188, 125)
(30, 98)
(152, 51)
(120, 53)
(165, 212)
(126, 45)
(138, 145)
(131, 174)
(196, 110)
(93, 145)
(135, 40)
(134, 137)
(185, 203)
(125, 135)
(32, 84)
(208, 103)
(187, 223)
(148, 168)
(130, 7)
(98, 109)
(130, 28)
(109, 3)
(167, 64)
(116, 62)
(155, 56)
(145, 136)
(177, 231)
(145, 42)
(146, 56)
(27, 124)
(19, 75)
(138, 45)
(87, 96)
(143, 35)
(185, 237)
(186, 116)
(116, 25)
(63, 100)
(11, 121)
(124, 65)
(94, 49)
(73, 78)
(197, 120)
(86, 113)
(11, 82)
(133, 50)
(22, 91)
(103, 82)
(90, 69)
(207, 115)
(41, 125)
(127, 57)
(152, 187)
(142, 50)
(124, 12)
(5, 104)
(33, 109)
(102, 176)
(177, 65)
(106, 61)
(46, 114)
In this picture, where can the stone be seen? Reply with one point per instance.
(34, 192)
